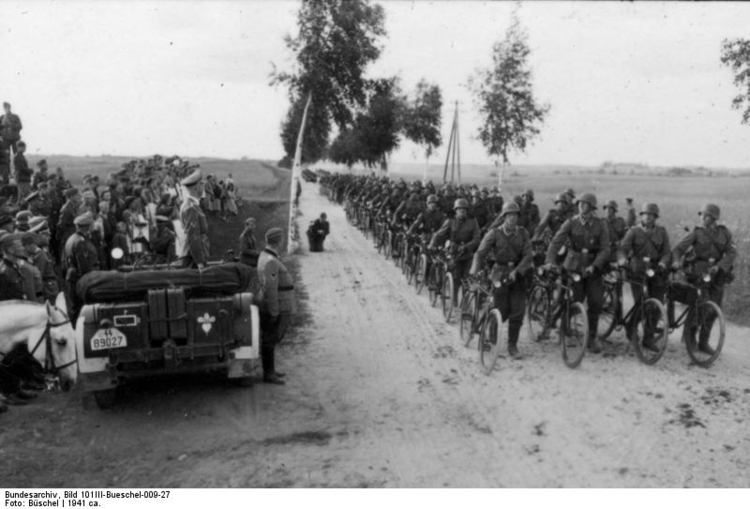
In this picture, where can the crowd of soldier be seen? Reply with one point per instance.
(484, 231)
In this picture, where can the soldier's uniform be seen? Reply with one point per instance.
(511, 249)
(50, 284)
(277, 303)
(195, 248)
(616, 229)
(552, 221)
(464, 236)
(481, 211)
(11, 280)
(428, 222)
(710, 246)
(646, 247)
(407, 211)
(80, 258)
(163, 241)
(588, 245)
(66, 222)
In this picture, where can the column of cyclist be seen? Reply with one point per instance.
(494, 265)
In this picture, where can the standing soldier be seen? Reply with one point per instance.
(631, 212)
(23, 172)
(510, 249)
(43, 263)
(41, 175)
(10, 128)
(80, 258)
(12, 284)
(647, 246)
(195, 247)
(248, 248)
(66, 222)
(464, 236)
(529, 216)
(277, 305)
(588, 241)
(163, 241)
(713, 253)
(616, 229)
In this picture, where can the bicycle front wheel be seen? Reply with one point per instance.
(435, 283)
(607, 321)
(650, 331)
(704, 333)
(420, 273)
(388, 247)
(490, 341)
(467, 311)
(574, 333)
(447, 296)
(538, 313)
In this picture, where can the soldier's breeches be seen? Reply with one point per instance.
(510, 300)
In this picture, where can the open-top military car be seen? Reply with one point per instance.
(140, 323)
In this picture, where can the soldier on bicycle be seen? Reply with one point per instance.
(588, 241)
(428, 221)
(555, 218)
(509, 247)
(712, 252)
(464, 236)
(647, 247)
(616, 228)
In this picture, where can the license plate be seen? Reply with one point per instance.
(104, 339)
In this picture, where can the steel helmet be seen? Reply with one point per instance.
(517, 198)
(461, 203)
(611, 204)
(529, 193)
(562, 197)
(587, 198)
(510, 208)
(569, 191)
(432, 199)
(712, 210)
(650, 208)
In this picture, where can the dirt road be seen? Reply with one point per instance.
(381, 393)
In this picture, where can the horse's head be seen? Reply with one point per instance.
(61, 344)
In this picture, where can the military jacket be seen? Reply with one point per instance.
(588, 243)
(510, 250)
(407, 211)
(529, 216)
(647, 246)
(65, 225)
(196, 232)
(553, 220)
(277, 285)
(428, 222)
(710, 245)
(49, 280)
(11, 281)
(80, 257)
(41, 207)
(481, 211)
(461, 233)
(248, 250)
(631, 217)
(32, 277)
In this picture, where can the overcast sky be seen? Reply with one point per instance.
(627, 82)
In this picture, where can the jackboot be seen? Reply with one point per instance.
(513, 332)
(703, 345)
(593, 341)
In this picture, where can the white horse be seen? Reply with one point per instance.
(47, 332)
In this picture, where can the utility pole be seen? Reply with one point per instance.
(454, 151)
(296, 170)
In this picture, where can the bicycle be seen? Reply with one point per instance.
(545, 308)
(700, 316)
(440, 281)
(646, 321)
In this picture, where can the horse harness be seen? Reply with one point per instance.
(49, 360)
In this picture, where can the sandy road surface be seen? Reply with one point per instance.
(381, 393)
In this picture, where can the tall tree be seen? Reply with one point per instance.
(337, 40)
(735, 53)
(423, 117)
(504, 96)
(315, 141)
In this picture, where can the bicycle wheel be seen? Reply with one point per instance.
(649, 333)
(537, 313)
(490, 341)
(396, 249)
(404, 258)
(574, 333)
(388, 244)
(447, 296)
(704, 333)
(379, 239)
(410, 265)
(435, 283)
(466, 317)
(420, 273)
(607, 320)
